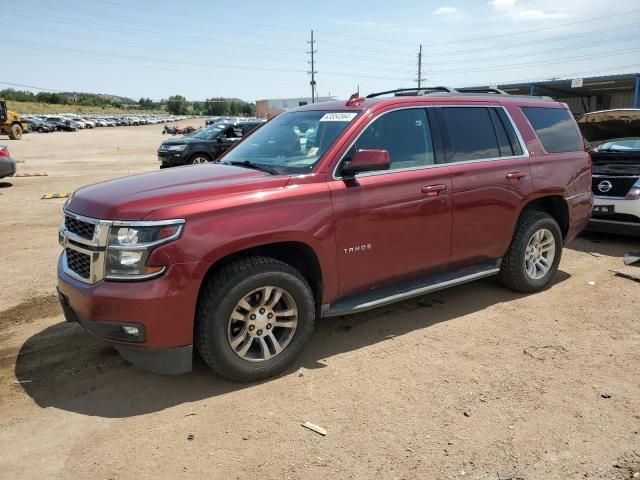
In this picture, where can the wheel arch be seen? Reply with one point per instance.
(554, 205)
(299, 255)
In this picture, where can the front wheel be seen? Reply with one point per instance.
(534, 255)
(254, 317)
(199, 158)
(15, 132)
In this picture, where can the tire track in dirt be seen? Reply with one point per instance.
(33, 309)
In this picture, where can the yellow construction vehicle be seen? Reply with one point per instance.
(10, 123)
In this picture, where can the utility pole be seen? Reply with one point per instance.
(420, 67)
(313, 72)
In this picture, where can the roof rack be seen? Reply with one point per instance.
(496, 91)
(412, 91)
(446, 91)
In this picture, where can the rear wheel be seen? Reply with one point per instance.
(534, 255)
(15, 132)
(254, 317)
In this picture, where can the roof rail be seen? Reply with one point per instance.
(413, 91)
(445, 91)
(496, 91)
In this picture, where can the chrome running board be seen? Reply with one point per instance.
(414, 288)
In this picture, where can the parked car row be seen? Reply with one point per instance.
(70, 122)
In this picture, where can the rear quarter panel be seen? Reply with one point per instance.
(566, 174)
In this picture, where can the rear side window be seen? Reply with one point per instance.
(555, 128)
(471, 134)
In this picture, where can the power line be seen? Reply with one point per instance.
(129, 6)
(533, 64)
(537, 42)
(541, 52)
(32, 87)
(551, 27)
(376, 53)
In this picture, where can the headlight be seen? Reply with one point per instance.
(176, 148)
(634, 193)
(130, 245)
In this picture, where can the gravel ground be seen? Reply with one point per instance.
(466, 383)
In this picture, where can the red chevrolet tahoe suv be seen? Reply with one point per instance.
(329, 209)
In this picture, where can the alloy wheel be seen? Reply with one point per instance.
(262, 324)
(539, 254)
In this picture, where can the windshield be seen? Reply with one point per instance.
(623, 144)
(293, 142)
(208, 133)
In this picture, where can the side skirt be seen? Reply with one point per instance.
(409, 289)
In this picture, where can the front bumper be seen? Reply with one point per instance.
(624, 220)
(173, 159)
(162, 310)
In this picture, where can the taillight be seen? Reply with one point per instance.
(4, 152)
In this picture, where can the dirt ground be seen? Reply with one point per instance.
(464, 383)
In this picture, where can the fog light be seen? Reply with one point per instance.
(133, 331)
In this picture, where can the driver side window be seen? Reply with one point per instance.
(405, 134)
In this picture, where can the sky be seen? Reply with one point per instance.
(254, 49)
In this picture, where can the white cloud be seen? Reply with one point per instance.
(517, 11)
(503, 4)
(445, 11)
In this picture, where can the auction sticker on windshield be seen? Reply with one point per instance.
(338, 117)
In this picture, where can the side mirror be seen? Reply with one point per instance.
(366, 161)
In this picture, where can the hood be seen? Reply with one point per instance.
(184, 139)
(134, 197)
(599, 127)
(175, 141)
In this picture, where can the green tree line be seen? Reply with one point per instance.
(179, 105)
(85, 99)
(176, 104)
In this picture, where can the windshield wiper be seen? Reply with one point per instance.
(254, 166)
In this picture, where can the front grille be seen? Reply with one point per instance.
(79, 263)
(620, 186)
(80, 228)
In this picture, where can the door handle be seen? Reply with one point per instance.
(515, 175)
(434, 190)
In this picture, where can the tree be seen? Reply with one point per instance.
(217, 107)
(177, 105)
(249, 109)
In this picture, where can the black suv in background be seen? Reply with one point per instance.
(203, 146)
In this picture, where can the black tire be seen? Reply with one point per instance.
(513, 272)
(40, 130)
(194, 160)
(15, 132)
(220, 296)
